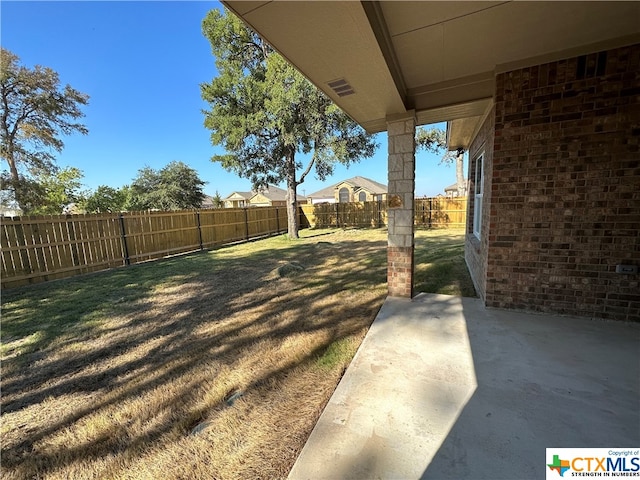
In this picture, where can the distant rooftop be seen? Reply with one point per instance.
(358, 182)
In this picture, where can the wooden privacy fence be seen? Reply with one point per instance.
(39, 248)
(437, 212)
(441, 212)
(355, 214)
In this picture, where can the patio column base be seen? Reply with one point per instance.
(400, 271)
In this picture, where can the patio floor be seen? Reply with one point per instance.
(444, 388)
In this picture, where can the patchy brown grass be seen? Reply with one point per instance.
(111, 375)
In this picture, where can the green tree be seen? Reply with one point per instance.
(264, 113)
(434, 140)
(217, 200)
(36, 112)
(50, 193)
(174, 187)
(107, 199)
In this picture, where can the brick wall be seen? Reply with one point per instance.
(565, 202)
(476, 248)
(400, 271)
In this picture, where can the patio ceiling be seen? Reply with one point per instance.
(437, 58)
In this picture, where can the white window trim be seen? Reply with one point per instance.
(478, 190)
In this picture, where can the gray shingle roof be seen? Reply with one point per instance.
(245, 195)
(272, 193)
(370, 185)
(277, 194)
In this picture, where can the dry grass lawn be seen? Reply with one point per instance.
(213, 365)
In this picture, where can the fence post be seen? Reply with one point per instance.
(246, 223)
(199, 229)
(277, 220)
(127, 260)
(430, 209)
(337, 213)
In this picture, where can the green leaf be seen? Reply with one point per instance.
(263, 112)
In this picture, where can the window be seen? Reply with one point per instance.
(343, 195)
(362, 197)
(478, 186)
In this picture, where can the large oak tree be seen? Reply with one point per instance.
(266, 114)
(35, 113)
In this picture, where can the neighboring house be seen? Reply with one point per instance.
(272, 197)
(452, 190)
(551, 128)
(238, 200)
(356, 189)
(10, 210)
(209, 202)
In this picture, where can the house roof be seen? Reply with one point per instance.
(207, 202)
(357, 182)
(452, 188)
(239, 196)
(276, 194)
(437, 60)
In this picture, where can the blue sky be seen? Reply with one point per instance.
(142, 64)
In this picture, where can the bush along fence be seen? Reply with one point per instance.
(438, 212)
(40, 248)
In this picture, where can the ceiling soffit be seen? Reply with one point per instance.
(437, 58)
(330, 42)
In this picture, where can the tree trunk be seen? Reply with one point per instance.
(462, 190)
(292, 204)
(15, 180)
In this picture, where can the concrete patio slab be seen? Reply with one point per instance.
(443, 388)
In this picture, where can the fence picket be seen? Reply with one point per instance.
(39, 248)
(436, 212)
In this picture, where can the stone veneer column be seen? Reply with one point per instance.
(401, 136)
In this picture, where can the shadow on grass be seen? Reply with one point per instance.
(191, 292)
(199, 309)
(440, 266)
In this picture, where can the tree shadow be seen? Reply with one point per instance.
(204, 310)
(440, 265)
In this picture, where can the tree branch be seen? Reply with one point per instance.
(307, 170)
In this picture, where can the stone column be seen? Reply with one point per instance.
(401, 131)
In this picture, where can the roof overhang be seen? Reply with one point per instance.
(437, 58)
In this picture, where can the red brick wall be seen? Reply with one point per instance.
(476, 248)
(400, 271)
(565, 203)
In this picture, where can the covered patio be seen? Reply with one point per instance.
(443, 388)
(543, 96)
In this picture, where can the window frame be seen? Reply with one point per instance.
(340, 191)
(478, 194)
